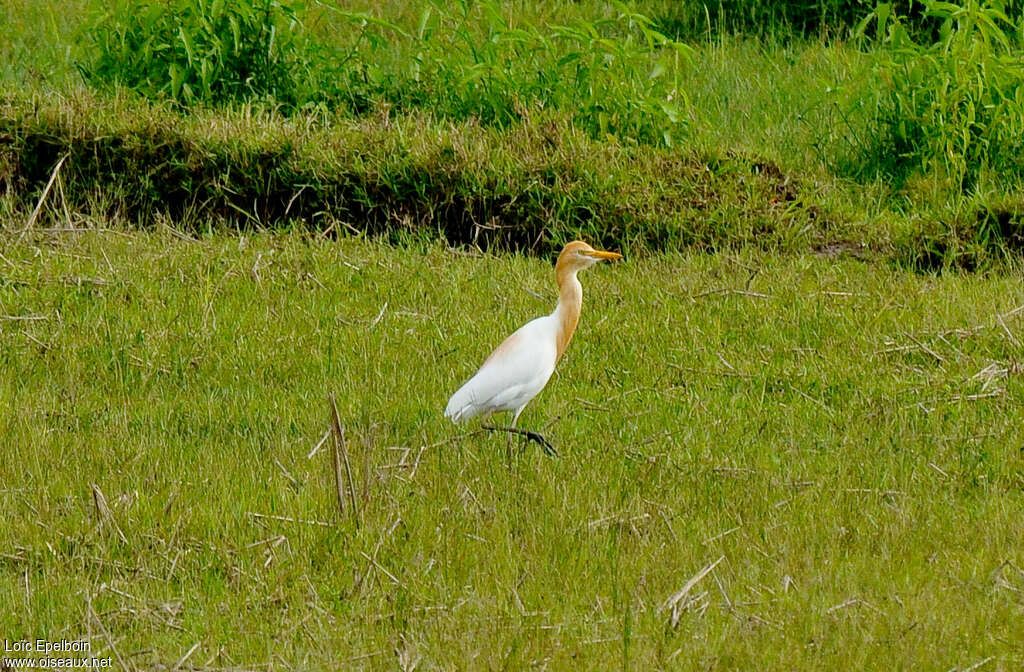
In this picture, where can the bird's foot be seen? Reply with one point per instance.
(545, 445)
(532, 436)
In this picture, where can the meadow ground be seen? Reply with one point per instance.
(793, 445)
(839, 441)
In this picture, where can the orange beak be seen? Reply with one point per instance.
(599, 254)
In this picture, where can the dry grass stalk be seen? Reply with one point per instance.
(673, 603)
(854, 601)
(64, 200)
(925, 348)
(380, 568)
(23, 317)
(719, 535)
(291, 479)
(618, 519)
(380, 315)
(42, 199)
(286, 519)
(103, 510)
(1006, 330)
(106, 635)
(372, 559)
(318, 445)
(340, 454)
(186, 656)
(408, 658)
(979, 664)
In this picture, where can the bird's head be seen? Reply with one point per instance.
(577, 255)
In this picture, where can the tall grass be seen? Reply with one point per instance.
(530, 187)
(202, 51)
(615, 76)
(37, 50)
(461, 60)
(953, 107)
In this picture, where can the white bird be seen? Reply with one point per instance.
(520, 367)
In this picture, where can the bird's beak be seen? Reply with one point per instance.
(599, 254)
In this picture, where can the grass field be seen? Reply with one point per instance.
(839, 439)
(789, 425)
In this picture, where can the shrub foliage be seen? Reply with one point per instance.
(462, 60)
(952, 107)
(209, 51)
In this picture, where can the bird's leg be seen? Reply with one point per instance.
(548, 449)
(532, 436)
(508, 444)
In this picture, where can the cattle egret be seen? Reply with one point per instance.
(520, 367)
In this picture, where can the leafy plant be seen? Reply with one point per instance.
(628, 83)
(616, 76)
(463, 60)
(202, 51)
(953, 108)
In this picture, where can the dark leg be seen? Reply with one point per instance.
(532, 436)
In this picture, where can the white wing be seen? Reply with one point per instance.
(514, 373)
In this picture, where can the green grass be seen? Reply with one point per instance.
(845, 436)
(530, 188)
(757, 385)
(773, 148)
(38, 52)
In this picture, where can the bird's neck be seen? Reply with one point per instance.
(567, 312)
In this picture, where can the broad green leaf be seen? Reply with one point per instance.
(186, 41)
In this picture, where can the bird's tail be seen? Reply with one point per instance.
(461, 407)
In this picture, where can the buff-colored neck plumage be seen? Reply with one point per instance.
(570, 298)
